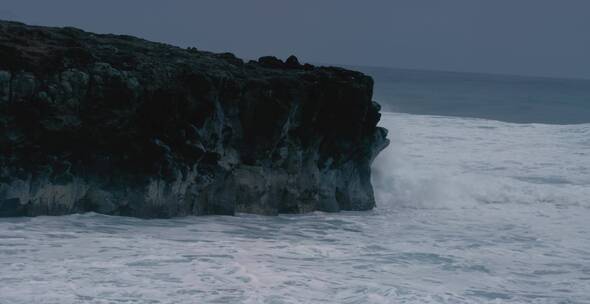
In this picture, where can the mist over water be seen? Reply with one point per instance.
(469, 211)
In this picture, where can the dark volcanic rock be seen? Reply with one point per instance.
(292, 62)
(123, 126)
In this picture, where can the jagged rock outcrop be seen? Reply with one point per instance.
(119, 125)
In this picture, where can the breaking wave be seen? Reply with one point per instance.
(451, 162)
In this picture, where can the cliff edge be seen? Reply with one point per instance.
(123, 126)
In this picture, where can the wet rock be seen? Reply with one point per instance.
(5, 78)
(24, 85)
(123, 126)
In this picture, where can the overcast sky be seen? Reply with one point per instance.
(527, 37)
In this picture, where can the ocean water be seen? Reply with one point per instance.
(500, 97)
(470, 210)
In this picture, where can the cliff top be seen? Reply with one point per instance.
(40, 49)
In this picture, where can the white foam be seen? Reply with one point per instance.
(444, 161)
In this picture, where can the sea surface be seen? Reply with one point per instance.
(509, 98)
(474, 206)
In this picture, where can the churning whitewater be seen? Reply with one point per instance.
(469, 211)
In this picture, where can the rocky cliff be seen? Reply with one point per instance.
(123, 126)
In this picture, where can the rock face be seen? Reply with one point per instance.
(123, 126)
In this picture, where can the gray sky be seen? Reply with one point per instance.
(527, 37)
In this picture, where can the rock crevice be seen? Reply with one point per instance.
(123, 126)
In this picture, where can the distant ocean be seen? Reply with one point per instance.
(507, 98)
(483, 197)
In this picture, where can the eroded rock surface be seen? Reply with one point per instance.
(123, 126)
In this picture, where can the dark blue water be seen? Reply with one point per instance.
(499, 97)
